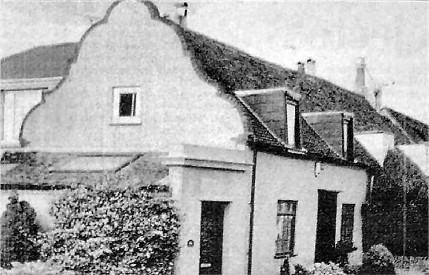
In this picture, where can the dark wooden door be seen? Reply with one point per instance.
(211, 240)
(326, 224)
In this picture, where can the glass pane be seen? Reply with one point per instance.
(345, 137)
(285, 226)
(290, 113)
(127, 104)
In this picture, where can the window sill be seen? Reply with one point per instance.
(126, 121)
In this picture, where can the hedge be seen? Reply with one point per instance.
(106, 229)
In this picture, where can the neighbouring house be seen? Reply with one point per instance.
(24, 77)
(266, 163)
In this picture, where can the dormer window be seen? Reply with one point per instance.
(292, 123)
(347, 141)
(126, 105)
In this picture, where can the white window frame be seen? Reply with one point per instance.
(291, 129)
(116, 118)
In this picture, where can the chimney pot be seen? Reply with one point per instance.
(301, 68)
(311, 66)
(182, 14)
(360, 76)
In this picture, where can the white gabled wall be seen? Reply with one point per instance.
(132, 49)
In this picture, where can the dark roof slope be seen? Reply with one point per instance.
(39, 62)
(416, 130)
(35, 169)
(234, 70)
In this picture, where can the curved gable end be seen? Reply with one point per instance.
(133, 87)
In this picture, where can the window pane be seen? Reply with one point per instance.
(290, 113)
(127, 104)
(285, 227)
(347, 220)
(345, 138)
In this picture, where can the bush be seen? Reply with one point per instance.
(378, 260)
(31, 268)
(320, 269)
(18, 231)
(342, 249)
(105, 229)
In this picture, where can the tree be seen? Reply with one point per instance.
(18, 232)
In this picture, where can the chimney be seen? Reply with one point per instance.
(360, 77)
(378, 96)
(301, 68)
(181, 14)
(311, 67)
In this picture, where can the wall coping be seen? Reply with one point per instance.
(209, 157)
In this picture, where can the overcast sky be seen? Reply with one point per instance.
(392, 36)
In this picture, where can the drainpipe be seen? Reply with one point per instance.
(252, 206)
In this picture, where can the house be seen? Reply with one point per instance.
(24, 77)
(263, 161)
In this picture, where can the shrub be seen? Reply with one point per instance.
(18, 231)
(105, 229)
(320, 269)
(327, 269)
(31, 268)
(342, 249)
(378, 260)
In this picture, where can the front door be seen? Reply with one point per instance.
(326, 224)
(211, 242)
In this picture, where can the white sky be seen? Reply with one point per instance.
(393, 36)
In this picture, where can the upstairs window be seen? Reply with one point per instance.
(347, 222)
(286, 215)
(292, 123)
(126, 105)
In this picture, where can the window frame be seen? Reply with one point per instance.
(346, 233)
(283, 254)
(117, 119)
(296, 131)
(347, 138)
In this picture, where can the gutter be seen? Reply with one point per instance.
(252, 207)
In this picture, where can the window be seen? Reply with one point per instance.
(347, 220)
(348, 138)
(286, 215)
(126, 105)
(292, 124)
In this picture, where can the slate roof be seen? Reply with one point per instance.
(236, 70)
(418, 154)
(415, 129)
(35, 169)
(39, 62)
(231, 69)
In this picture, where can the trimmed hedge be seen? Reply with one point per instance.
(106, 229)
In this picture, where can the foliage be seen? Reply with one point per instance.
(383, 215)
(107, 229)
(31, 268)
(18, 231)
(320, 269)
(342, 249)
(378, 260)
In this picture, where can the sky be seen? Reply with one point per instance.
(391, 35)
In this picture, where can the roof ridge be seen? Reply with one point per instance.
(39, 47)
(407, 116)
